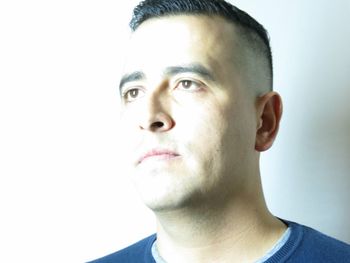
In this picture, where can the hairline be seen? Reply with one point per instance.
(243, 35)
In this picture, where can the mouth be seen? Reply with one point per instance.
(158, 155)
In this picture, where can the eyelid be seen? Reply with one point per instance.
(186, 78)
(127, 87)
(126, 91)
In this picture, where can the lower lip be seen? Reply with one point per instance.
(160, 157)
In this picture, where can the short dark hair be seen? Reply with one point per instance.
(256, 35)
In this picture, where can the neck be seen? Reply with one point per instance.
(238, 230)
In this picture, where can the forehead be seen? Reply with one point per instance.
(181, 39)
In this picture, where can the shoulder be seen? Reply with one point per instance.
(138, 252)
(331, 249)
(309, 245)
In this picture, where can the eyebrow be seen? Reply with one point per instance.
(134, 76)
(195, 68)
(190, 68)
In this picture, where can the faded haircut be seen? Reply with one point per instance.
(253, 34)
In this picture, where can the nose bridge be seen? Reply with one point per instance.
(155, 102)
(156, 111)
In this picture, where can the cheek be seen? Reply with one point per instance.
(202, 130)
(129, 135)
(220, 131)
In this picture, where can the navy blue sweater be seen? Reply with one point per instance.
(304, 245)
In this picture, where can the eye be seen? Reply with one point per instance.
(189, 85)
(132, 94)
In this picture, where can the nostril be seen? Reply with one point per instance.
(160, 122)
(157, 124)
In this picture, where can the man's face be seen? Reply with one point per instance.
(189, 122)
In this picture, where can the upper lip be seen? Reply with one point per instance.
(155, 152)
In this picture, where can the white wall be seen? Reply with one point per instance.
(63, 195)
(306, 174)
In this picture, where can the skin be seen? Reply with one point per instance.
(183, 90)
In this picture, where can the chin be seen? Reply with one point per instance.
(167, 188)
(163, 206)
(165, 197)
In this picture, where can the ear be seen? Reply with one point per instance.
(269, 110)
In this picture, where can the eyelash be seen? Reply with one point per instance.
(197, 85)
(127, 92)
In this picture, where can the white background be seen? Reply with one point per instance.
(63, 194)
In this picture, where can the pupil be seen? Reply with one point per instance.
(134, 93)
(187, 84)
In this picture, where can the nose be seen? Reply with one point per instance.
(155, 116)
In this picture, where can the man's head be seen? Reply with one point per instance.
(197, 103)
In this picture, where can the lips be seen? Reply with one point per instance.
(159, 154)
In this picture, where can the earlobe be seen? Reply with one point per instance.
(269, 110)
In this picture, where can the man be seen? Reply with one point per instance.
(197, 110)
